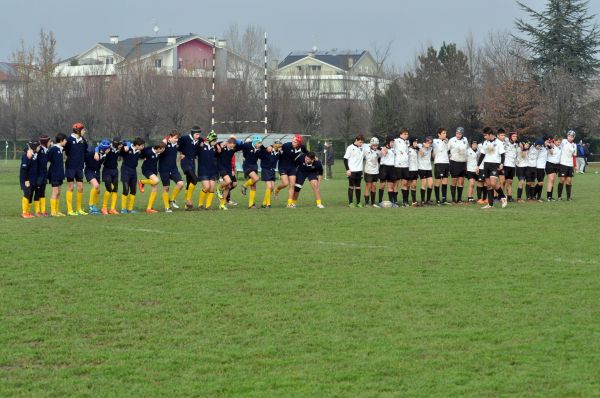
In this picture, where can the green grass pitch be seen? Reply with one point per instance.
(452, 301)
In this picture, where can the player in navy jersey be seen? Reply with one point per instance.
(269, 156)
(110, 176)
(290, 151)
(168, 171)
(207, 170)
(39, 195)
(131, 153)
(93, 162)
(226, 168)
(311, 169)
(150, 171)
(188, 147)
(28, 176)
(250, 166)
(75, 151)
(56, 172)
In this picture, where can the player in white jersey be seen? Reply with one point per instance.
(353, 162)
(521, 167)
(472, 155)
(530, 171)
(425, 173)
(481, 178)
(540, 167)
(441, 164)
(401, 146)
(372, 155)
(568, 153)
(552, 163)
(510, 157)
(457, 147)
(413, 169)
(387, 172)
(493, 156)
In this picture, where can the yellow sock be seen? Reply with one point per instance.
(189, 192)
(25, 205)
(93, 193)
(123, 202)
(209, 199)
(43, 205)
(151, 199)
(113, 200)
(277, 190)
(36, 206)
(175, 193)
(249, 183)
(318, 202)
(165, 196)
(79, 199)
(222, 202)
(267, 200)
(290, 201)
(202, 198)
(251, 197)
(147, 181)
(53, 209)
(70, 201)
(105, 200)
(131, 202)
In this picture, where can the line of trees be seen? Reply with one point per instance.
(542, 79)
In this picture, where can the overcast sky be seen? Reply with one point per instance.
(292, 25)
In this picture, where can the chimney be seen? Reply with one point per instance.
(171, 40)
(222, 43)
(114, 39)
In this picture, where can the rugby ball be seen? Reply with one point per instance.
(386, 203)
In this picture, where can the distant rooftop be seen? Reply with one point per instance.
(336, 58)
(140, 46)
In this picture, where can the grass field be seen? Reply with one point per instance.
(451, 301)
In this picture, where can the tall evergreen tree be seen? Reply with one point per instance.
(389, 110)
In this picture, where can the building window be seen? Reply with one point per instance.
(158, 63)
(110, 60)
(315, 68)
(180, 63)
(299, 68)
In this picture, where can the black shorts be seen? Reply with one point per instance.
(188, 165)
(491, 170)
(92, 174)
(301, 177)
(441, 170)
(413, 175)
(267, 175)
(249, 170)
(530, 174)
(206, 177)
(387, 173)
(287, 171)
(56, 183)
(458, 169)
(225, 172)
(167, 176)
(551, 168)
(509, 172)
(129, 176)
(565, 171)
(540, 174)
(425, 174)
(148, 173)
(371, 177)
(471, 175)
(520, 172)
(355, 178)
(481, 175)
(401, 173)
(74, 175)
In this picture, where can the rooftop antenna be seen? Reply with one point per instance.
(155, 28)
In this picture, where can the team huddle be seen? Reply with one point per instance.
(205, 162)
(489, 167)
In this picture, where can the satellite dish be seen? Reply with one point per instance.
(314, 49)
(155, 29)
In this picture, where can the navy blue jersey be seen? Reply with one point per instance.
(42, 172)
(150, 164)
(226, 155)
(92, 164)
(207, 160)
(289, 154)
(268, 160)
(29, 168)
(111, 160)
(250, 155)
(188, 146)
(75, 149)
(167, 160)
(315, 167)
(130, 158)
(56, 169)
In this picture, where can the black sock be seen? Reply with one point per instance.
(569, 191)
(500, 193)
(509, 197)
(549, 193)
(453, 192)
(391, 196)
(404, 196)
(459, 192)
(395, 196)
(538, 193)
(422, 195)
(381, 195)
(560, 189)
(444, 192)
(372, 197)
(519, 193)
(437, 193)
(429, 190)
(490, 197)
(366, 199)
(479, 189)
(350, 195)
(413, 194)
(357, 192)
